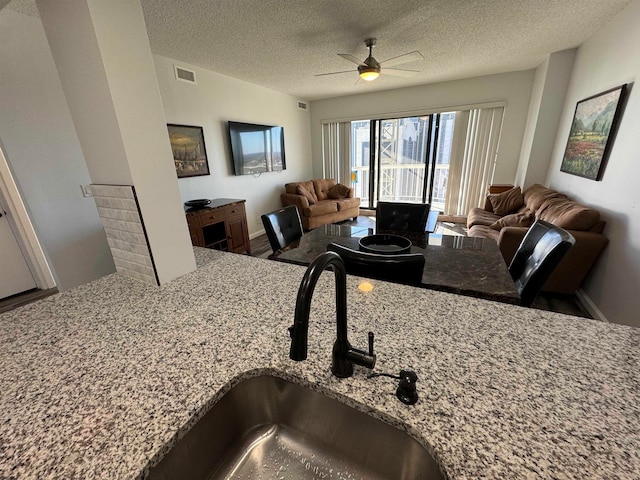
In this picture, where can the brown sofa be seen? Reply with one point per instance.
(321, 201)
(507, 216)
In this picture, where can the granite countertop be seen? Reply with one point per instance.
(99, 381)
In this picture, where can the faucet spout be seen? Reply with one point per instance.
(343, 355)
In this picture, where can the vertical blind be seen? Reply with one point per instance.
(336, 148)
(474, 150)
(473, 156)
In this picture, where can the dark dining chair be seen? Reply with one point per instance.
(540, 252)
(402, 216)
(405, 268)
(283, 228)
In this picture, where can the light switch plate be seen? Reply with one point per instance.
(86, 190)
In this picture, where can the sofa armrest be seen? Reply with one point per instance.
(293, 199)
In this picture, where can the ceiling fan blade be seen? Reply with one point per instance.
(334, 73)
(405, 58)
(353, 59)
(399, 72)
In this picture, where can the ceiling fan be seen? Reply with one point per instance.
(369, 69)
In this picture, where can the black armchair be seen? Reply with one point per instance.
(283, 228)
(402, 217)
(537, 257)
(405, 268)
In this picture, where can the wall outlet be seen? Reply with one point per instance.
(259, 221)
(86, 190)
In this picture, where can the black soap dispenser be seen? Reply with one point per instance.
(406, 391)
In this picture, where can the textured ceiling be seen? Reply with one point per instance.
(282, 44)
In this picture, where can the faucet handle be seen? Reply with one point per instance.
(291, 330)
(371, 344)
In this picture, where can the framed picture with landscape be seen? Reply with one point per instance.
(189, 153)
(593, 129)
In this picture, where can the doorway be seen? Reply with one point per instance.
(402, 159)
(16, 276)
(23, 265)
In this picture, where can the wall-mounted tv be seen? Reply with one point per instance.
(256, 148)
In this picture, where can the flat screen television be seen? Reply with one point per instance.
(256, 148)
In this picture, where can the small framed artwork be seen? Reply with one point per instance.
(189, 153)
(592, 133)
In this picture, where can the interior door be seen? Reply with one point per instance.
(15, 276)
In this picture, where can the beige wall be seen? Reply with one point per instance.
(213, 101)
(607, 59)
(547, 99)
(45, 157)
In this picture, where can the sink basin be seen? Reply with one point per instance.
(269, 428)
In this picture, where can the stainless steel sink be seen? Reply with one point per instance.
(269, 428)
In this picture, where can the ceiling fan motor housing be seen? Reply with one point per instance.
(371, 68)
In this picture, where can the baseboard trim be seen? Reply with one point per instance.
(257, 234)
(591, 307)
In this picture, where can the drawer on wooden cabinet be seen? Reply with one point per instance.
(234, 210)
(211, 217)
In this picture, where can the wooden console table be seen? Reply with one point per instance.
(221, 225)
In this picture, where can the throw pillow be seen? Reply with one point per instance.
(338, 191)
(520, 219)
(306, 194)
(506, 202)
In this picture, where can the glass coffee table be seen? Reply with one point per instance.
(470, 266)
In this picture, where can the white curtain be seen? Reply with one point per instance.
(473, 155)
(336, 148)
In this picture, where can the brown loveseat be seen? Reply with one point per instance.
(321, 201)
(507, 216)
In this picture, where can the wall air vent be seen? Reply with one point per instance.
(302, 105)
(185, 74)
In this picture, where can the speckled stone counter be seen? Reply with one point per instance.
(100, 381)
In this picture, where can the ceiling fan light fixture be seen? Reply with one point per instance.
(369, 73)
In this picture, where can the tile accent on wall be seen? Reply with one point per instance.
(122, 221)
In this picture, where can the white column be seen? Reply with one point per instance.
(104, 61)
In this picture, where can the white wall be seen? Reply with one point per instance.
(104, 61)
(44, 154)
(512, 87)
(607, 59)
(213, 101)
(547, 99)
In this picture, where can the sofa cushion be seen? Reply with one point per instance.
(479, 216)
(568, 214)
(536, 195)
(507, 202)
(320, 208)
(306, 194)
(483, 231)
(347, 203)
(338, 191)
(293, 187)
(520, 219)
(322, 187)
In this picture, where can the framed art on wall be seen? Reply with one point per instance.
(593, 129)
(189, 153)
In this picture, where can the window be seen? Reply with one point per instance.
(446, 159)
(403, 167)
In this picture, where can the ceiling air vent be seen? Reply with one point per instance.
(185, 74)
(302, 105)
